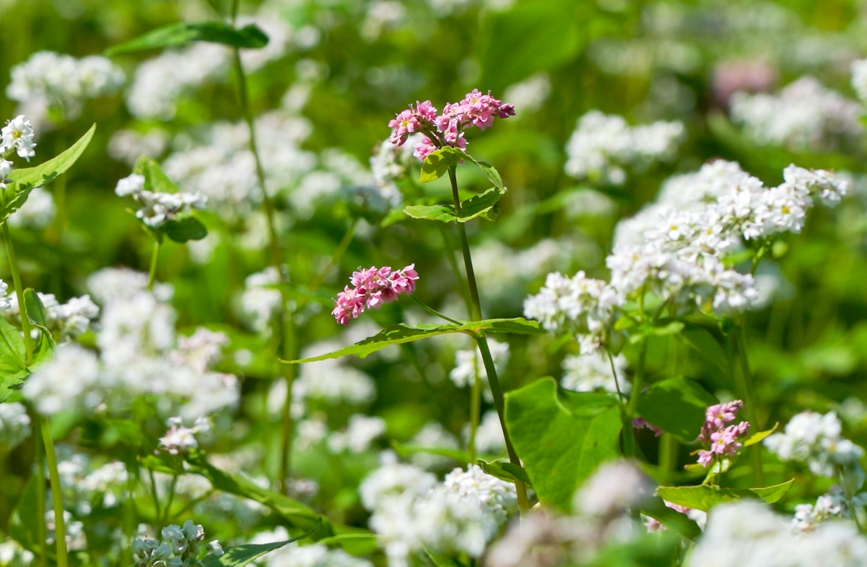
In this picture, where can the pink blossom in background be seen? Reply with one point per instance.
(475, 110)
(639, 423)
(373, 287)
(717, 435)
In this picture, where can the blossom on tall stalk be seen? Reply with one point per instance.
(447, 129)
(718, 436)
(373, 287)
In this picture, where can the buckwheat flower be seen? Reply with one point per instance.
(613, 488)
(261, 299)
(5, 167)
(817, 182)
(373, 287)
(14, 424)
(424, 147)
(215, 549)
(131, 185)
(592, 371)
(360, 433)
(816, 439)
(18, 135)
(179, 439)
(808, 516)
(469, 365)
(37, 211)
(152, 553)
(859, 78)
(718, 437)
(5, 298)
(641, 423)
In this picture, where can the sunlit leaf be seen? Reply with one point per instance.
(179, 35)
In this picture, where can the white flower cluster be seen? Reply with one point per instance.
(179, 438)
(155, 208)
(14, 424)
(311, 555)
(37, 211)
(614, 488)
(675, 248)
(749, 534)
(489, 435)
(49, 79)
(129, 145)
(859, 78)
(808, 516)
(360, 432)
(89, 484)
(139, 355)
(530, 94)
(261, 299)
(495, 266)
(432, 435)
(469, 365)
(411, 511)
(17, 136)
(66, 320)
(816, 439)
(803, 116)
(592, 371)
(602, 146)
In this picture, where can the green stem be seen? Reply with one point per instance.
(56, 493)
(335, 258)
(40, 502)
(287, 334)
(745, 385)
(155, 495)
(632, 406)
(433, 311)
(19, 293)
(482, 341)
(475, 410)
(172, 488)
(668, 447)
(152, 274)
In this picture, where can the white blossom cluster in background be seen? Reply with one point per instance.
(469, 365)
(37, 212)
(54, 80)
(65, 321)
(675, 248)
(749, 534)
(14, 424)
(859, 79)
(139, 354)
(156, 208)
(87, 483)
(412, 511)
(603, 146)
(593, 371)
(804, 116)
(16, 137)
(530, 94)
(159, 83)
(180, 438)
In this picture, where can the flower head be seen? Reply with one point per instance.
(18, 135)
(372, 288)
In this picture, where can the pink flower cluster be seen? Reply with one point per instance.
(447, 129)
(722, 438)
(639, 423)
(373, 287)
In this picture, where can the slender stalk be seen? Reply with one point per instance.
(40, 503)
(482, 341)
(152, 274)
(614, 374)
(668, 453)
(19, 293)
(335, 258)
(632, 406)
(172, 488)
(287, 334)
(433, 311)
(475, 409)
(745, 385)
(155, 494)
(129, 514)
(56, 493)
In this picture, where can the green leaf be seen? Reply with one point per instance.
(504, 470)
(179, 35)
(13, 368)
(24, 523)
(300, 515)
(705, 497)
(156, 179)
(243, 554)
(357, 544)
(561, 437)
(760, 436)
(704, 343)
(437, 163)
(673, 519)
(440, 560)
(185, 228)
(407, 450)
(676, 405)
(400, 333)
(45, 345)
(483, 205)
(23, 181)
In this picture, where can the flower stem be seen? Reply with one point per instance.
(56, 493)
(172, 489)
(287, 327)
(482, 341)
(745, 385)
(155, 495)
(152, 274)
(335, 258)
(19, 293)
(632, 406)
(475, 410)
(40, 502)
(433, 311)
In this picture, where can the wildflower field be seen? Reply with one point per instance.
(433, 283)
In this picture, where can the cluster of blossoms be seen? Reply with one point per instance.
(803, 116)
(675, 249)
(469, 365)
(411, 511)
(179, 548)
(64, 320)
(139, 354)
(603, 145)
(179, 438)
(155, 208)
(721, 438)
(49, 79)
(309, 555)
(89, 486)
(830, 505)
(361, 430)
(859, 78)
(373, 288)
(447, 129)
(14, 424)
(816, 439)
(592, 371)
(17, 136)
